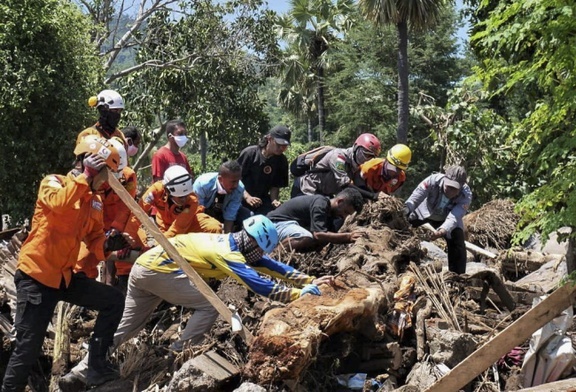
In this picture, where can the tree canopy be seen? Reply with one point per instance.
(49, 70)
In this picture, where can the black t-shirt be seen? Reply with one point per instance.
(312, 212)
(260, 174)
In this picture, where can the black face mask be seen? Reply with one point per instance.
(109, 120)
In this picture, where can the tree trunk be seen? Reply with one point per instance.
(320, 98)
(203, 150)
(571, 254)
(403, 88)
(310, 129)
(289, 337)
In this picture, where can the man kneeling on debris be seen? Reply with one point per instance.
(156, 277)
(442, 200)
(307, 223)
(68, 211)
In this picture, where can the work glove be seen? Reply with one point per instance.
(406, 211)
(93, 163)
(115, 241)
(310, 289)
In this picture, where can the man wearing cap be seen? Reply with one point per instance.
(442, 200)
(265, 170)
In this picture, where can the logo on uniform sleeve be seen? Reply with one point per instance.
(149, 198)
(340, 163)
(96, 205)
(267, 169)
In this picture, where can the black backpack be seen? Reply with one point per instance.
(305, 162)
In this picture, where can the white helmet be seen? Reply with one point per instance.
(177, 181)
(121, 151)
(110, 98)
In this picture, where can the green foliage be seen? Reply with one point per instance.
(49, 70)
(212, 68)
(363, 87)
(469, 133)
(529, 46)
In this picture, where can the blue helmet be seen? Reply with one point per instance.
(263, 231)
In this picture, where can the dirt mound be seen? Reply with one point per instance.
(493, 225)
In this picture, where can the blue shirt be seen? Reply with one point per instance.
(206, 188)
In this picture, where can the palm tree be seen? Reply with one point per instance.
(309, 28)
(416, 14)
(297, 91)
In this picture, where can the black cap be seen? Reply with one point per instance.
(281, 135)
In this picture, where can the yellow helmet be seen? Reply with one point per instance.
(399, 156)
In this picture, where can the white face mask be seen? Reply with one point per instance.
(132, 150)
(180, 140)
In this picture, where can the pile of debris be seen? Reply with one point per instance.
(395, 319)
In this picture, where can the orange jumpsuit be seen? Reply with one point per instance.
(116, 215)
(66, 213)
(173, 219)
(93, 131)
(371, 174)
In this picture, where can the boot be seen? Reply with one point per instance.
(100, 370)
(71, 382)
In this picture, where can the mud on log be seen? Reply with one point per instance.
(289, 337)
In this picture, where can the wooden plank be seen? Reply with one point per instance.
(568, 385)
(514, 335)
(200, 284)
(215, 366)
(7, 234)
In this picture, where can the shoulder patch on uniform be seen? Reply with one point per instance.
(54, 182)
(340, 163)
(149, 198)
(97, 205)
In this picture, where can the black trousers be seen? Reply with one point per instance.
(35, 307)
(456, 246)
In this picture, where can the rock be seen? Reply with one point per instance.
(446, 345)
(189, 378)
(249, 387)
(421, 376)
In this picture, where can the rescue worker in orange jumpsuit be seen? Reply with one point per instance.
(116, 213)
(110, 105)
(67, 212)
(385, 175)
(177, 207)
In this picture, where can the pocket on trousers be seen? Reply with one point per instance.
(24, 301)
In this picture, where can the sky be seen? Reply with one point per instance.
(282, 6)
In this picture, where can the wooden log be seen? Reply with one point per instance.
(545, 279)
(421, 317)
(474, 249)
(289, 337)
(494, 282)
(525, 261)
(61, 351)
(171, 250)
(514, 335)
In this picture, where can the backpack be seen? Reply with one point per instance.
(304, 163)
